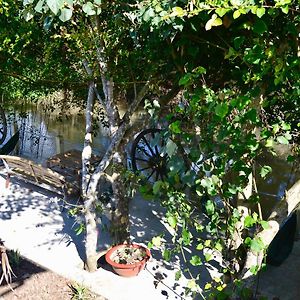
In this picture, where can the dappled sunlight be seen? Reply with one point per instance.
(36, 216)
(147, 220)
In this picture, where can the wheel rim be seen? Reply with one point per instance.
(3, 126)
(147, 157)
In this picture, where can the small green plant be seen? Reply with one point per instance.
(14, 258)
(78, 292)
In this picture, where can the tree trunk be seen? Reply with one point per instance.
(280, 213)
(244, 210)
(120, 215)
(89, 191)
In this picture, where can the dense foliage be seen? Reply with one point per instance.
(240, 99)
(236, 65)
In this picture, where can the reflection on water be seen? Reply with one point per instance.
(273, 187)
(43, 135)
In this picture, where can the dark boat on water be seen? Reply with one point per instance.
(10, 145)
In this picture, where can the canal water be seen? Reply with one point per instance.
(43, 135)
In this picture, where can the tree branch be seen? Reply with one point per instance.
(281, 212)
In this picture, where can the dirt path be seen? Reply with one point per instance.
(35, 283)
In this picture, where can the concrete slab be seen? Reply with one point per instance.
(31, 221)
(282, 282)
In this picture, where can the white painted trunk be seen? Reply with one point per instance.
(280, 213)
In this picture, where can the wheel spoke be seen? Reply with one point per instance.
(155, 147)
(157, 175)
(144, 151)
(149, 147)
(142, 159)
(145, 169)
(150, 175)
(146, 155)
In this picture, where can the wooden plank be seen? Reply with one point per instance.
(38, 174)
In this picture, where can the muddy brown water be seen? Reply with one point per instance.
(43, 135)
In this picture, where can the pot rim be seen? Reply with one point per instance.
(126, 266)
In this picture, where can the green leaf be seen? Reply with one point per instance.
(208, 257)
(282, 140)
(186, 235)
(265, 170)
(200, 70)
(196, 260)
(248, 241)
(207, 243)
(249, 221)
(252, 115)
(260, 11)
(200, 247)
(217, 22)
(150, 245)
(260, 27)
(192, 284)
(149, 13)
(26, 2)
(80, 229)
(231, 52)
(178, 11)
(288, 136)
(175, 126)
(218, 246)
(208, 286)
(222, 11)
(178, 275)
(236, 14)
(214, 21)
(269, 143)
(285, 9)
(186, 79)
(88, 8)
(55, 5)
(157, 186)
(66, 14)
(172, 220)
(27, 14)
(256, 245)
(285, 126)
(167, 255)
(276, 128)
(156, 241)
(221, 110)
(238, 41)
(39, 6)
(254, 270)
(265, 224)
(171, 147)
(210, 207)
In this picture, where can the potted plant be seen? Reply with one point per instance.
(128, 259)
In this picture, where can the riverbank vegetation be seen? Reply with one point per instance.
(223, 76)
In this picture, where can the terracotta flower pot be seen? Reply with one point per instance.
(127, 269)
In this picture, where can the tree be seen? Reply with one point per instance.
(228, 118)
(234, 68)
(104, 38)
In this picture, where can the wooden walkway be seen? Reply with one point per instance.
(69, 164)
(62, 174)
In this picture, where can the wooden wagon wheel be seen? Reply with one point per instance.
(146, 155)
(3, 126)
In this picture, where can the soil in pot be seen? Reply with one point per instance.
(128, 260)
(129, 255)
